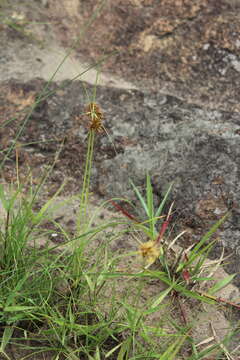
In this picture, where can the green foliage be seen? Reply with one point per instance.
(153, 215)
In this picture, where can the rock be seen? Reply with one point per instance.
(45, 3)
(188, 49)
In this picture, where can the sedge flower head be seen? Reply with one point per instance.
(95, 117)
(149, 251)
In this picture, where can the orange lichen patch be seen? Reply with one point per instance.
(95, 116)
(20, 99)
(149, 252)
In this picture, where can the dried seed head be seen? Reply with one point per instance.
(149, 252)
(95, 116)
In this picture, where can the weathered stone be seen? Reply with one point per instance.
(185, 48)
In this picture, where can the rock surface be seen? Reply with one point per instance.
(186, 48)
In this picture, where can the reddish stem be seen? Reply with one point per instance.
(163, 229)
(228, 302)
(123, 211)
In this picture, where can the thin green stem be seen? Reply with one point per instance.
(82, 215)
(82, 220)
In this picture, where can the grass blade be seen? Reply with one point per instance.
(159, 210)
(141, 199)
(150, 205)
(161, 206)
(221, 284)
(173, 349)
(7, 334)
(195, 252)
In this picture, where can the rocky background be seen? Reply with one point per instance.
(169, 90)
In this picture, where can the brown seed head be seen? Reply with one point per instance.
(95, 116)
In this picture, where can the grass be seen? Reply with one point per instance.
(82, 300)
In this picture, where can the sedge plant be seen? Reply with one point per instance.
(94, 118)
(37, 287)
(156, 248)
(182, 274)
